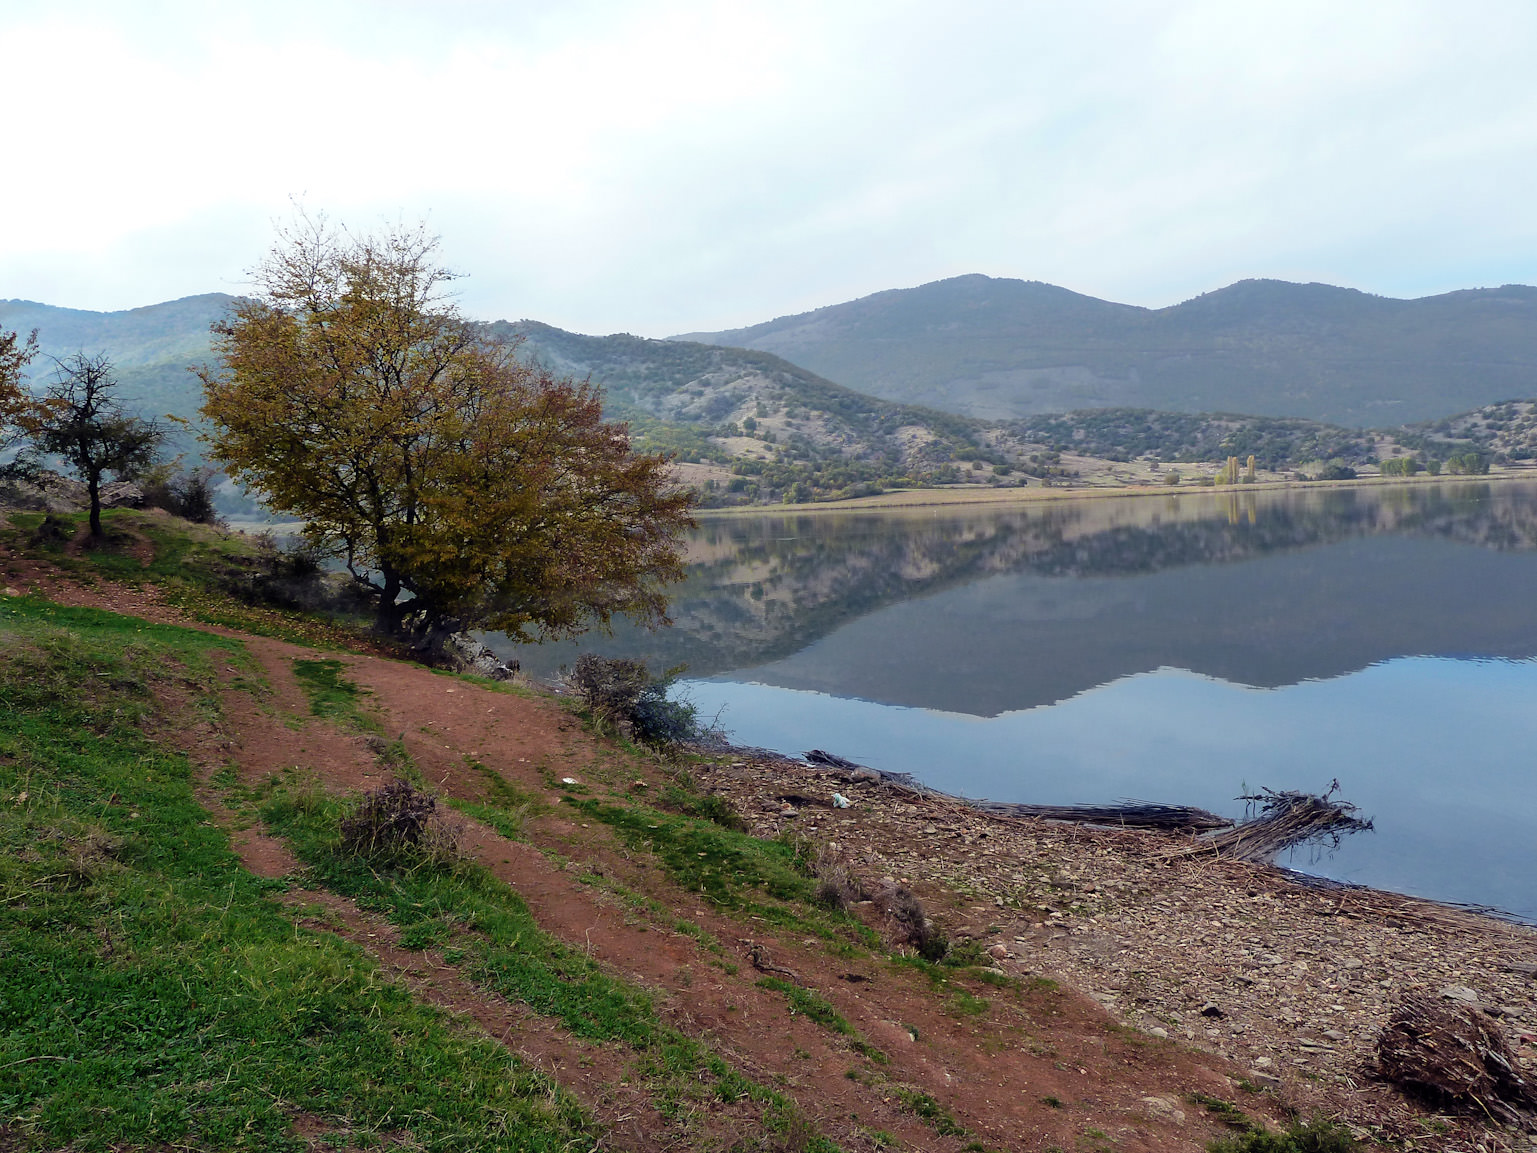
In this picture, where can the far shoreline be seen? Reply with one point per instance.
(962, 497)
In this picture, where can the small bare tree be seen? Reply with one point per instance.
(80, 418)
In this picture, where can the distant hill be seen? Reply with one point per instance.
(749, 427)
(150, 347)
(1002, 349)
(783, 431)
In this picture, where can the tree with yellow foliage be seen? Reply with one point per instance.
(15, 354)
(461, 487)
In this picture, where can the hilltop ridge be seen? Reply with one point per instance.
(1000, 348)
(756, 425)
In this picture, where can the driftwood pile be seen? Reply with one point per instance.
(1129, 814)
(1278, 820)
(1458, 1058)
(1285, 820)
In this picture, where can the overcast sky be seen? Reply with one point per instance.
(659, 167)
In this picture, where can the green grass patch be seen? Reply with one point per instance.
(814, 1007)
(152, 993)
(944, 979)
(509, 825)
(506, 795)
(730, 869)
(1300, 1137)
(1225, 1111)
(929, 1111)
(332, 696)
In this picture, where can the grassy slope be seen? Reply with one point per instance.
(177, 1001)
(152, 990)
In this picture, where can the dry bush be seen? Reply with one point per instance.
(838, 886)
(609, 687)
(400, 821)
(909, 924)
(1457, 1057)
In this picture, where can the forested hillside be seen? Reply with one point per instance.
(150, 347)
(781, 431)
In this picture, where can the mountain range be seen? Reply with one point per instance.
(988, 381)
(1000, 349)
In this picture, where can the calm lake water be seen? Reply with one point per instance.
(1183, 649)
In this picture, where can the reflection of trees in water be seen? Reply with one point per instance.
(764, 587)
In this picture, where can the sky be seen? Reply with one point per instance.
(664, 166)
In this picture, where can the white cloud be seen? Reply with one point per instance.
(675, 165)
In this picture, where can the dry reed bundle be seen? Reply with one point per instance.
(1457, 1057)
(1285, 819)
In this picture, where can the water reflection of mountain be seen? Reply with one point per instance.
(988, 611)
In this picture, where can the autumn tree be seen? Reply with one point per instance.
(80, 419)
(461, 487)
(15, 354)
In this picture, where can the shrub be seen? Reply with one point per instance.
(837, 885)
(909, 924)
(623, 692)
(293, 577)
(188, 494)
(400, 822)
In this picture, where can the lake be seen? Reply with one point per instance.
(1183, 648)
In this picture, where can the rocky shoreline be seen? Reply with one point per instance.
(1288, 981)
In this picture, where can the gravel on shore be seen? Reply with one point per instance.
(1288, 980)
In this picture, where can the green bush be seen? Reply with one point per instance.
(1301, 1137)
(623, 692)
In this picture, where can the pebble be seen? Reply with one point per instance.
(1460, 993)
(1164, 1109)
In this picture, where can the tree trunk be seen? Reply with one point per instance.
(387, 620)
(93, 487)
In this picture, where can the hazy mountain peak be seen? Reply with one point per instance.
(998, 349)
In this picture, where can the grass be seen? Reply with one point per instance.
(152, 992)
(930, 1112)
(499, 946)
(1225, 1111)
(942, 980)
(730, 869)
(1299, 1137)
(332, 696)
(191, 564)
(816, 1008)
